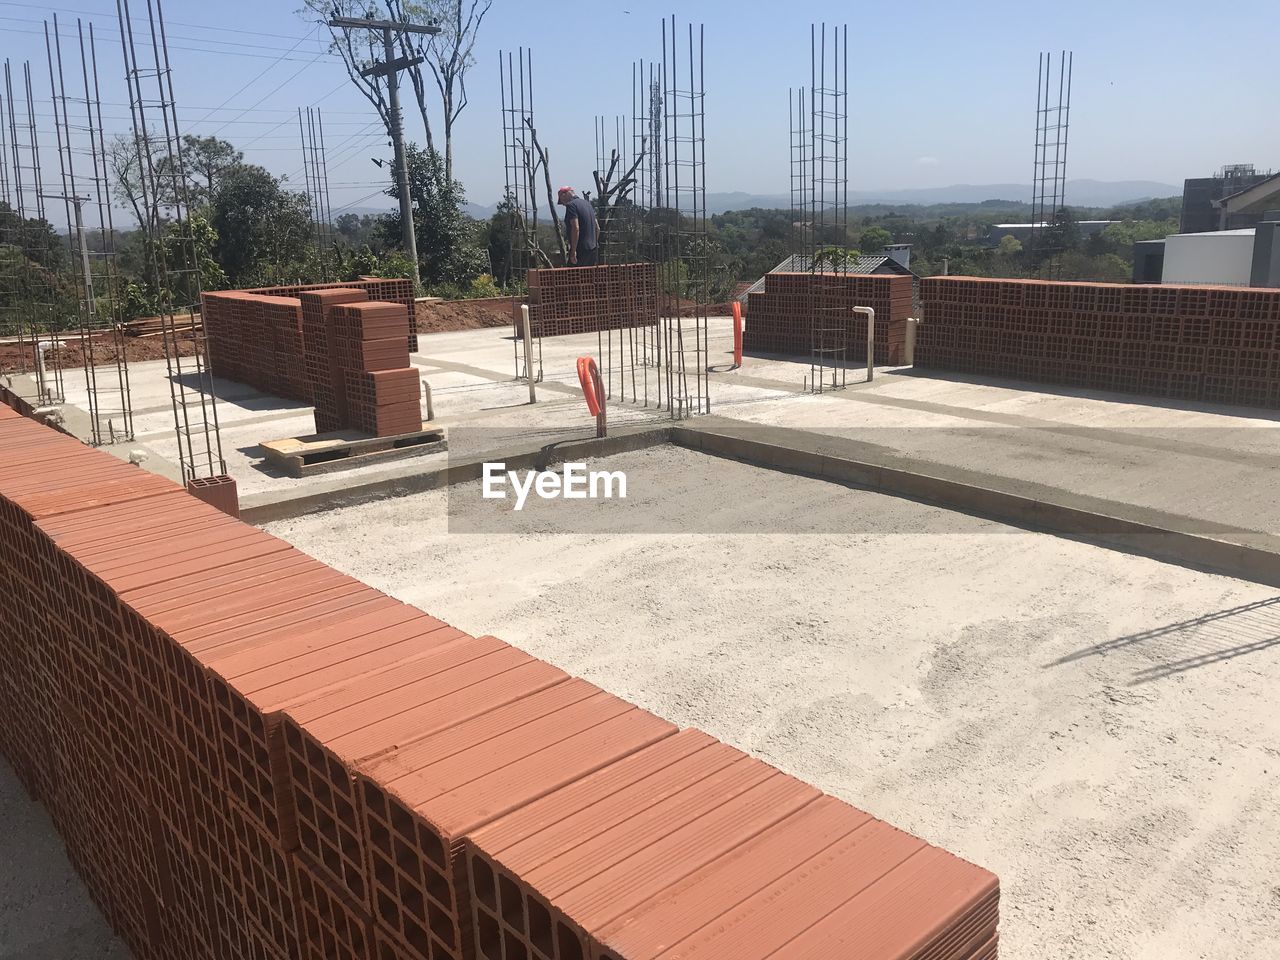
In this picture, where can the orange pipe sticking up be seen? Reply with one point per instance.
(588, 377)
(737, 333)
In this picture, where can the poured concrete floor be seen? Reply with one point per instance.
(1096, 728)
(1211, 463)
(45, 911)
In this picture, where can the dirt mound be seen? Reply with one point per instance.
(18, 358)
(442, 316)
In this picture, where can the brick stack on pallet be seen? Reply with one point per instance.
(782, 318)
(331, 346)
(570, 300)
(1219, 344)
(250, 754)
(327, 383)
(370, 352)
(256, 336)
(377, 288)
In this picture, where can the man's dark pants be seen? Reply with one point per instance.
(587, 258)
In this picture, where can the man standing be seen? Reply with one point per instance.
(582, 228)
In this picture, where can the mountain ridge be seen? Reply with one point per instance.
(1080, 193)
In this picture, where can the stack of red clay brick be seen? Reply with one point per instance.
(783, 318)
(251, 755)
(257, 340)
(587, 299)
(370, 352)
(257, 337)
(1218, 344)
(348, 354)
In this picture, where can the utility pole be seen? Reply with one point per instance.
(389, 68)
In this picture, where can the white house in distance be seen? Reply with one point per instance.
(1243, 257)
(1222, 257)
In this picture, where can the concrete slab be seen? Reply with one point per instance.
(45, 911)
(1093, 726)
(1204, 461)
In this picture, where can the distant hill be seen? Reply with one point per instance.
(478, 210)
(1082, 193)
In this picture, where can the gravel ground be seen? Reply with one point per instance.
(1094, 727)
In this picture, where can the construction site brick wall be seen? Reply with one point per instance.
(254, 337)
(782, 319)
(338, 348)
(567, 300)
(1219, 344)
(250, 754)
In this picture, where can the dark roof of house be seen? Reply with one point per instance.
(865, 264)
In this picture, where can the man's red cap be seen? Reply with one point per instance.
(563, 190)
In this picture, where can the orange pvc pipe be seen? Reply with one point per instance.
(737, 334)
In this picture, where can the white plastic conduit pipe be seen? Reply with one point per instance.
(871, 340)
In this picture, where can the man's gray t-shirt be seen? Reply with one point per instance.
(580, 210)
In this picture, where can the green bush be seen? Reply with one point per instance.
(484, 286)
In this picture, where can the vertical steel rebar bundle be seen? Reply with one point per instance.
(827, 201)
(651, 198)
(684, 267)
(615, 185)
(30, 279)
(521, 163)
(315, 173)
(798, 115)
(635, 237)
(1048, 186)
(173, 256)
(86, 199)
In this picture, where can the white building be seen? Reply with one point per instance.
(1223, 257)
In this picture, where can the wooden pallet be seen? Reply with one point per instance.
(154, 327)
(346, 449)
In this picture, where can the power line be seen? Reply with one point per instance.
(345, 113)
(248, 85)
(174, 46)
(341, 156)
(280, 86)
(376, 193)
(290, 120)
(179, 23)
(188, 124)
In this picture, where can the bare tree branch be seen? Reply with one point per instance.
(450, 54)
(544, 157)
(610, 196)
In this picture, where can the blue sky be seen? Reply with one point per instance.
(943, 93)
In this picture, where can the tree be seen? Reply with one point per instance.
(206, 159)
(263, 230)
(447, 249)
(504, 236)
(358, 230)
(448, 55)
(874, 238)
(614, 196)
(37, 287)
(1010, 245)
(138, 165)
